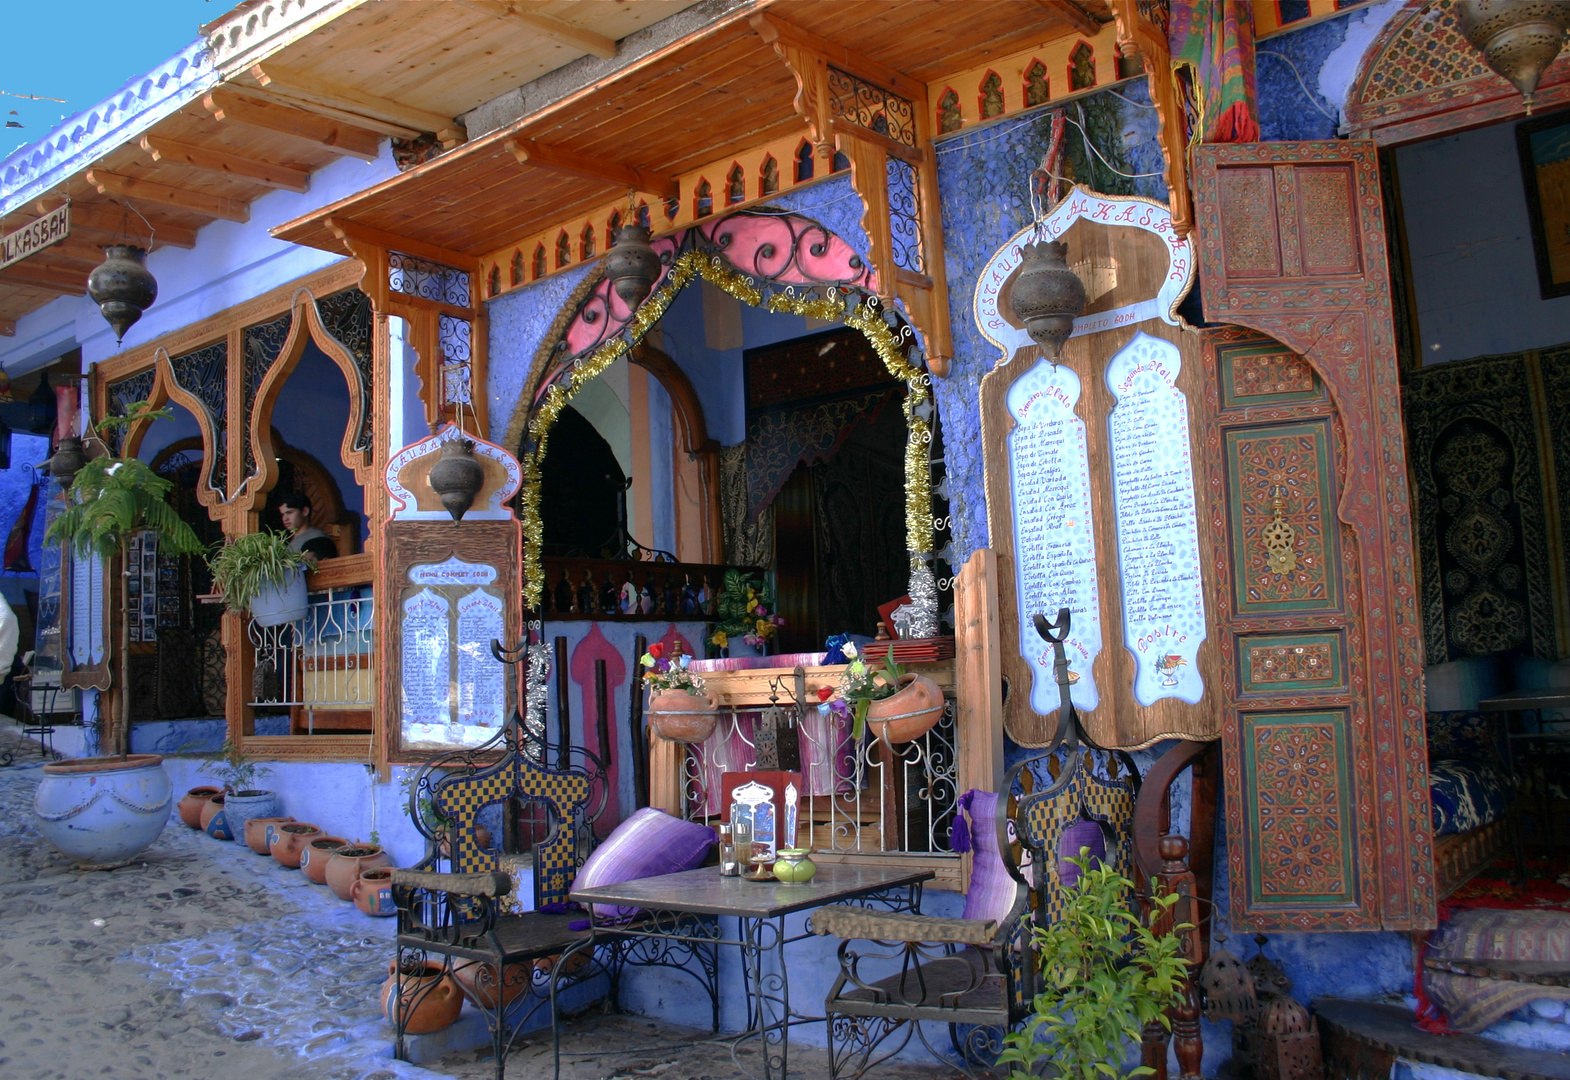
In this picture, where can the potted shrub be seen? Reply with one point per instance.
(239, 774)
(1105, 976)
(899, 705)
(109, 498)
(747, 619)
(681, 707)
(261, 573)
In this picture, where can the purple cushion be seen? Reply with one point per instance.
(992, 890)
(1081, 834)
(648, 844)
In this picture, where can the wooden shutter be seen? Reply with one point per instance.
(1325, 762)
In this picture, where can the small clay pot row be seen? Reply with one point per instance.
(358, 873)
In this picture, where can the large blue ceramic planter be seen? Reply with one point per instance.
(240, 807)
(103, 811)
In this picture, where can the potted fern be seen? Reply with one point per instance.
(243, 799)
(109, 498)
(1105, 975)
(261, 572)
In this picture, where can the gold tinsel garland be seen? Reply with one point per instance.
(864, 317)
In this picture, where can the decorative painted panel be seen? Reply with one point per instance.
(1265, 374)
(1300, 810)
(204, 374)
(1327, 221)
(1291, 663)
(1281, 498)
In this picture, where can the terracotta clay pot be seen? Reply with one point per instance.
(214, 823)
(316, 854)
(910, 713)
(345, 866)
(427, 999)
(256, 832)
(194, 802)
(682, 717)
(477, 980)
(290, 839)
(372, 892)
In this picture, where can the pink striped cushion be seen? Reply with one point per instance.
(649, 843)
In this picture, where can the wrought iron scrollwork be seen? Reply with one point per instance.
(348, 319)
(204, 374)
(872, 107)
(138, 387)
(413, 276)
(262, 345)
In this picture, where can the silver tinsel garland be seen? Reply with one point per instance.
(537, 687)
(923, 605)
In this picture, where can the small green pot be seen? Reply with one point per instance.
(794, 866)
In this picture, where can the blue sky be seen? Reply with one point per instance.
(83, 51)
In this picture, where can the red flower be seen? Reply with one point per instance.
(825, 692)
(657, 650)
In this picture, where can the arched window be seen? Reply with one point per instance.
(563, 250)
(1081, 67)
(586, 241)
(643, 215)
(735, 186)
(611, 225)
(493, 281)
(839, 163)
(804, 163)
(949, 118)
(991, 96)
(1037, 92)
(769, 176)
(703, 199)
(672, 207)
(540, 267)
(517, 266)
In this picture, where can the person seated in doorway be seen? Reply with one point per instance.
(295, 510)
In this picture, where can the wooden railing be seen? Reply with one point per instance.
(593, 589)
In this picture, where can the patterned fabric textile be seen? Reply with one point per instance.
(781, 439)
(1465, 795)
(1472, 1004)
(992, 891)
(649, 843)
(1460, 736)
(1213, 45)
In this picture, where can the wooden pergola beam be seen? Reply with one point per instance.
(43, 277)
(196, 202)
(560, 32)
(592, 168)
(1074, 15)
(308, 91)
(273, 175)
(344, 229)
(110, 219)
(777, 31)
(332, 135)
(7, 328)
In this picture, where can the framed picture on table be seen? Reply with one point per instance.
(1545, 171)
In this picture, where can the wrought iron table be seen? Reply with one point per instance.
(687, 908)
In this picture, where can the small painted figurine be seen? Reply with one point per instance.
(564, 595)
(689, 597)
(646, 600)
(586, 594)
(629, 597)
(610, 596)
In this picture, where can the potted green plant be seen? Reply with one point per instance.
(899, 705)
(261, 572)
(1105, 976)
(108, 499)
(747, 619)
(240, 774)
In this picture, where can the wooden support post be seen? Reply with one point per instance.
(640, 750)
(563, 706)
(602, 716)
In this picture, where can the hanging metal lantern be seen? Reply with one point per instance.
(1047, 296)
(632, 265)
(1518, 38)
(457, 477)
(122, 287)
(67, 460)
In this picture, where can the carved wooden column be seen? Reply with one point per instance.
(1142, 32)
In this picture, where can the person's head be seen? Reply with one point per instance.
(295, 511)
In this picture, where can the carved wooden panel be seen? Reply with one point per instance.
(1291, 663)
(1292, 244)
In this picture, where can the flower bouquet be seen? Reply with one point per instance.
(681, 708)
(746, 610)
(900, 705)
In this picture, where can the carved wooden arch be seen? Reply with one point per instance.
(166, 389)
(1420, 77)
(305, 325)
(696, 443)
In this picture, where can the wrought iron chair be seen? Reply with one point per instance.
(979, 976)
(462, 919)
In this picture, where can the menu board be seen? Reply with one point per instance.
(1157, 522)
(87, 610)
(454, 690)
(1054, 537)
(482, 686)
(427, 682)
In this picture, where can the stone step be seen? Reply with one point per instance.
(1362, 1039)
(1540, 972)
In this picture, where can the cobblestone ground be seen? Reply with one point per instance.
(205, 960)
